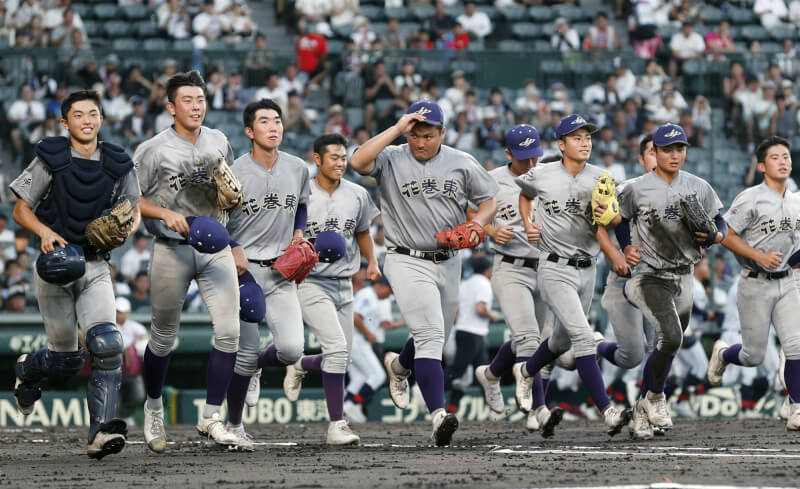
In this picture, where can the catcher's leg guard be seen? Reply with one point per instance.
(104, 342)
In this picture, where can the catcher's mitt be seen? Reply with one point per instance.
(697, 220)
(459, 237)
(229, 190)
(297, 260)
(605, 193)
(110, 231)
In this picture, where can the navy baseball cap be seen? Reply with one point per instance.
(669, 134)
(430, 109)
(330, 245)
(252, 306)
(571, 123)
(523, 142)
(206, 234)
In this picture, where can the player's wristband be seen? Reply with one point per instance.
(300, 217)
(623, 233)
(722, 226)
(233, 244)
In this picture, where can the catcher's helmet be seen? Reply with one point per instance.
(62, 266)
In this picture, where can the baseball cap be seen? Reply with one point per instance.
(123, 304)
(523, 142)
(331, 246)
(572, 123)
(481, 264)
(206, 234)
(669, 134)
(430, 109)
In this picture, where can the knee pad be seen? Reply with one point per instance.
(104, 342)
(46, 363)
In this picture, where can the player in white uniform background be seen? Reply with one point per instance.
(425, 188)
(764, 223)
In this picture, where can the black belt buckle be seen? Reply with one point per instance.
(583, 262)
(439, 256)
(531, 263)
(263, 263)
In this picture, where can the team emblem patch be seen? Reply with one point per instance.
(423, 111)
(527, 142)
(579, 120)
(673, 133)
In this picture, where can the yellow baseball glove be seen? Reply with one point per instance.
(605, 192)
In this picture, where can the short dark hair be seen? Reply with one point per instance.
(178, 80)
(766, 144)
(601, 14)
(249, 114)
(321, 143)
(643, 143)
(77, 97)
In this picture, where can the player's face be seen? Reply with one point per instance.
(777, 165)
(521, 166)
(425, 141)
(382, 291)
(670, 159)
(648, 159)
(577, 145)
(333, 163)
(83, 121)
(267, 130)
(189, 108)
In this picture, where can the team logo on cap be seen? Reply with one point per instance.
(527, 142)
(423, 111)
(673, 133)
(579, 120)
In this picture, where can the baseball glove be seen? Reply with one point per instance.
(110, 231)
(229, 190)
(605, 193)
(697, 220)
(297, 260)
(459, 237)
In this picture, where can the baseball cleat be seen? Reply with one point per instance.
(353, 412)
(616, 419)
(491, 390)
(398, 384)
(640, 429)
(786, 409)
(716, 365)
(293, 381)
(339, 433)
(532, 422)
(253, 389)
(655, 405)
(154, 433)
(214, 428)
(109, 440)
(523, 388)
(658, 431)
(244, 442)
(793, 423)
(25, 395)
(548, 420)
(444, 425)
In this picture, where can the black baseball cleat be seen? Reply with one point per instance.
(109, 440)
(444, 425)
(548, 427)
(616, 419)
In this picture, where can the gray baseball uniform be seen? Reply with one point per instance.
(328, 291)
(567, 239)
(264, 226)
(419, 200)
(768, 222)
(514, 273)
(177, 175)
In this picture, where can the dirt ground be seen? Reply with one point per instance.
(496, 454)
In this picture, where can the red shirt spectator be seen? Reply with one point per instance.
(311, 48)
(719, 42)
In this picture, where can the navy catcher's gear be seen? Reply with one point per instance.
(105, 345)
(45, 363)
(62, 266)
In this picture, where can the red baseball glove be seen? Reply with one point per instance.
(297, 260)
(460, 236)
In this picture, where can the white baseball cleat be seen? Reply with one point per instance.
(640, 429)
(339, 433)
(214, 428)
(793, 423)
(293, 381)
(106, 444)
(655, 405)
(786, 409)
(253, 389)
(398, 383)
(353, 412)
(532, 422)
(716, 365)
(444, 425)
(244, 442)
(523, 386)
(548, 419)
(154, 433)
(616, 419)
(491, 390)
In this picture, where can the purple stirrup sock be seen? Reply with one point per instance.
(269, 358)
(406, 358)
(333, 384)
(237, 391)
(542, 357)
(430, 379)
(656, 371)
(218, 376)
(731, 354)
(365, 395)
(538, 391)
(606, 349)
(590, 374)
(503, 361)
(154, 373)
(312, 363)
(792, 377)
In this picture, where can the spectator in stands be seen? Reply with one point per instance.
(336, 122)
(35, 36)
(460, 135)
(454, 40)
(174, 19)
(626, 131)
(701, 113)
(719, 42)
(748, 99)
(240, 21)
(694, 134)
(121, 287)
(560, 99)
(764, 108)
(291, 80)
(136, 258)
(421, 41)
(49, 128)
(667, 111)
(604, 93)
(441, 23)
(668, 86)
(734, 83)
(757, 62)
(86, 74)
(470, 108)
(394, 111)
(787, 60)
(273, 90)
(26, 12)
(312, 52)
(794, 12)
(295, 120)
(16, 300)
(74, 54)
(140, 294)
(168, 70)
(6, 235)
(135, 84)
(789, 95)
(686, 11)
(565, 39)
(772, 13)
(215, 90)
(784, 121)
(208, 25)
(259, 59)
(360, 136)
(476, 23)
(409, 77)
(362, 35)
(530, 102)
(393, 38)
(343, 12)
(115, 106)
(601, 35)
(612, 166)
(490, 134)
(626, 80)
(236, 96)
(605, 141)
(505, 114)
(315, 12)
(22, 240)
(110, 67)
(378, 86)
(23, 114)
(138, 125)
(684, 45)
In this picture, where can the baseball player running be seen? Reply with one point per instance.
(62, 195)
(663, 250)
(514, 281)
(180, 171)
(337, 209)
(763, 232)
(425, 189)
(272, 216)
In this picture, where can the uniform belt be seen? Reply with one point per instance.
(434, 256)
(263, 263)
(171, 241)
(91, 255)
(577, 262)
(766, 275)
(681, 270)
(525, 262)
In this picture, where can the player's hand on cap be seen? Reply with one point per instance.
(633, 255)
(702, 238)
(502, 234)
(50, 239)
(373, 271)
(771, 260)
(406, 123)
(240, 259)
(619, 264)
(533, 231)
(175, 221)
